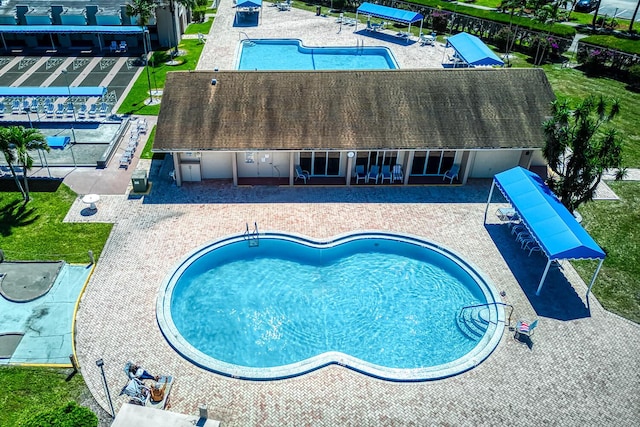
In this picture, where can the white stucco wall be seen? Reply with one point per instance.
(265, 165)
(488, 163)
(217, 165)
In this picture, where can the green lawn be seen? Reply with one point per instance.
(615, 225)
(25, 390)
(36, 232)
(573, 84)
(134, 103)
(616, 43)
(201, 27)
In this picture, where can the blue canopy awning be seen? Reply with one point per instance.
(553, 226)
(52, 91)
(249, 3)
(97, 29)
(548, 221)
(58, 142)
(390, 13)
(473, 51)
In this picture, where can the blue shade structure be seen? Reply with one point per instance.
(554, 228)
(390, 13)
(473, 51)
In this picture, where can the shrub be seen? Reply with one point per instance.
(67, 415)
(503, 38)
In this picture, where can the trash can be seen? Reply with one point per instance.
(139, 181)
(318, 10)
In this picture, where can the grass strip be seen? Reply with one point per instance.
(615, 225)
(36, 231)
(146, 151)
(200, 27)
(615, 43)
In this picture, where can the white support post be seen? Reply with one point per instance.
(593, 279)
(486, 208)
(544, 276)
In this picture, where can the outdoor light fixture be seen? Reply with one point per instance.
(351, 154)
(100, 364)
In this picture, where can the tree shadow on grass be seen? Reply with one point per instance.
(15, 215)
(558, 299)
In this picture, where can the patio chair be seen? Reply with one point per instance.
(49, 110)
(60, 110)
(374, 174)
(123, 46)
(15, 106)
(360, 174)
(386, 173)
(2, 109)
(113, 47)
(82, 111)
(397, 173)
(452, 173)
(104, 109)
(302, 174)
(524, 328)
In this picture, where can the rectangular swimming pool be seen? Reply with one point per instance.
(289, 54)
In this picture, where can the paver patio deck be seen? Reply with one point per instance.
(582, 370)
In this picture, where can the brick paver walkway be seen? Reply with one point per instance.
(583, 366)
(582, 370)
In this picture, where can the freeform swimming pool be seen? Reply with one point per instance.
(383, 304)
(290, 54)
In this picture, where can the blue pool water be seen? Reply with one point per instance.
(283, 54)
(381, 304)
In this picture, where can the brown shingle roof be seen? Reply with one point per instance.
(343, 110)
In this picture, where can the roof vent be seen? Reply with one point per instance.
(213, 82)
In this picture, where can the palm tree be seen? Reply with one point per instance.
(25, 140)
(188, 4)
(9, 153)
(143, 9)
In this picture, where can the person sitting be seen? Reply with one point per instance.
(136, 371)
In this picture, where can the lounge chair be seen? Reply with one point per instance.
(70, 109)
(386, 173)
(93, 110)
(451, 173)
(360, 174)
(15, 106)
(302, 174)
(2, 109)
(525, 328)
(123, 46)
(137, 391)
(164, 384)
(113, 47)
(397, 173)
(35, 106)
(374, 174)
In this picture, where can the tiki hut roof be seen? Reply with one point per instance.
(347, 110)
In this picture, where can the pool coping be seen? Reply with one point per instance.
(302, 46)
(479, 353)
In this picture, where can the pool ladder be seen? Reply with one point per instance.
(247, 38)
(253, 237)
(359, 47)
